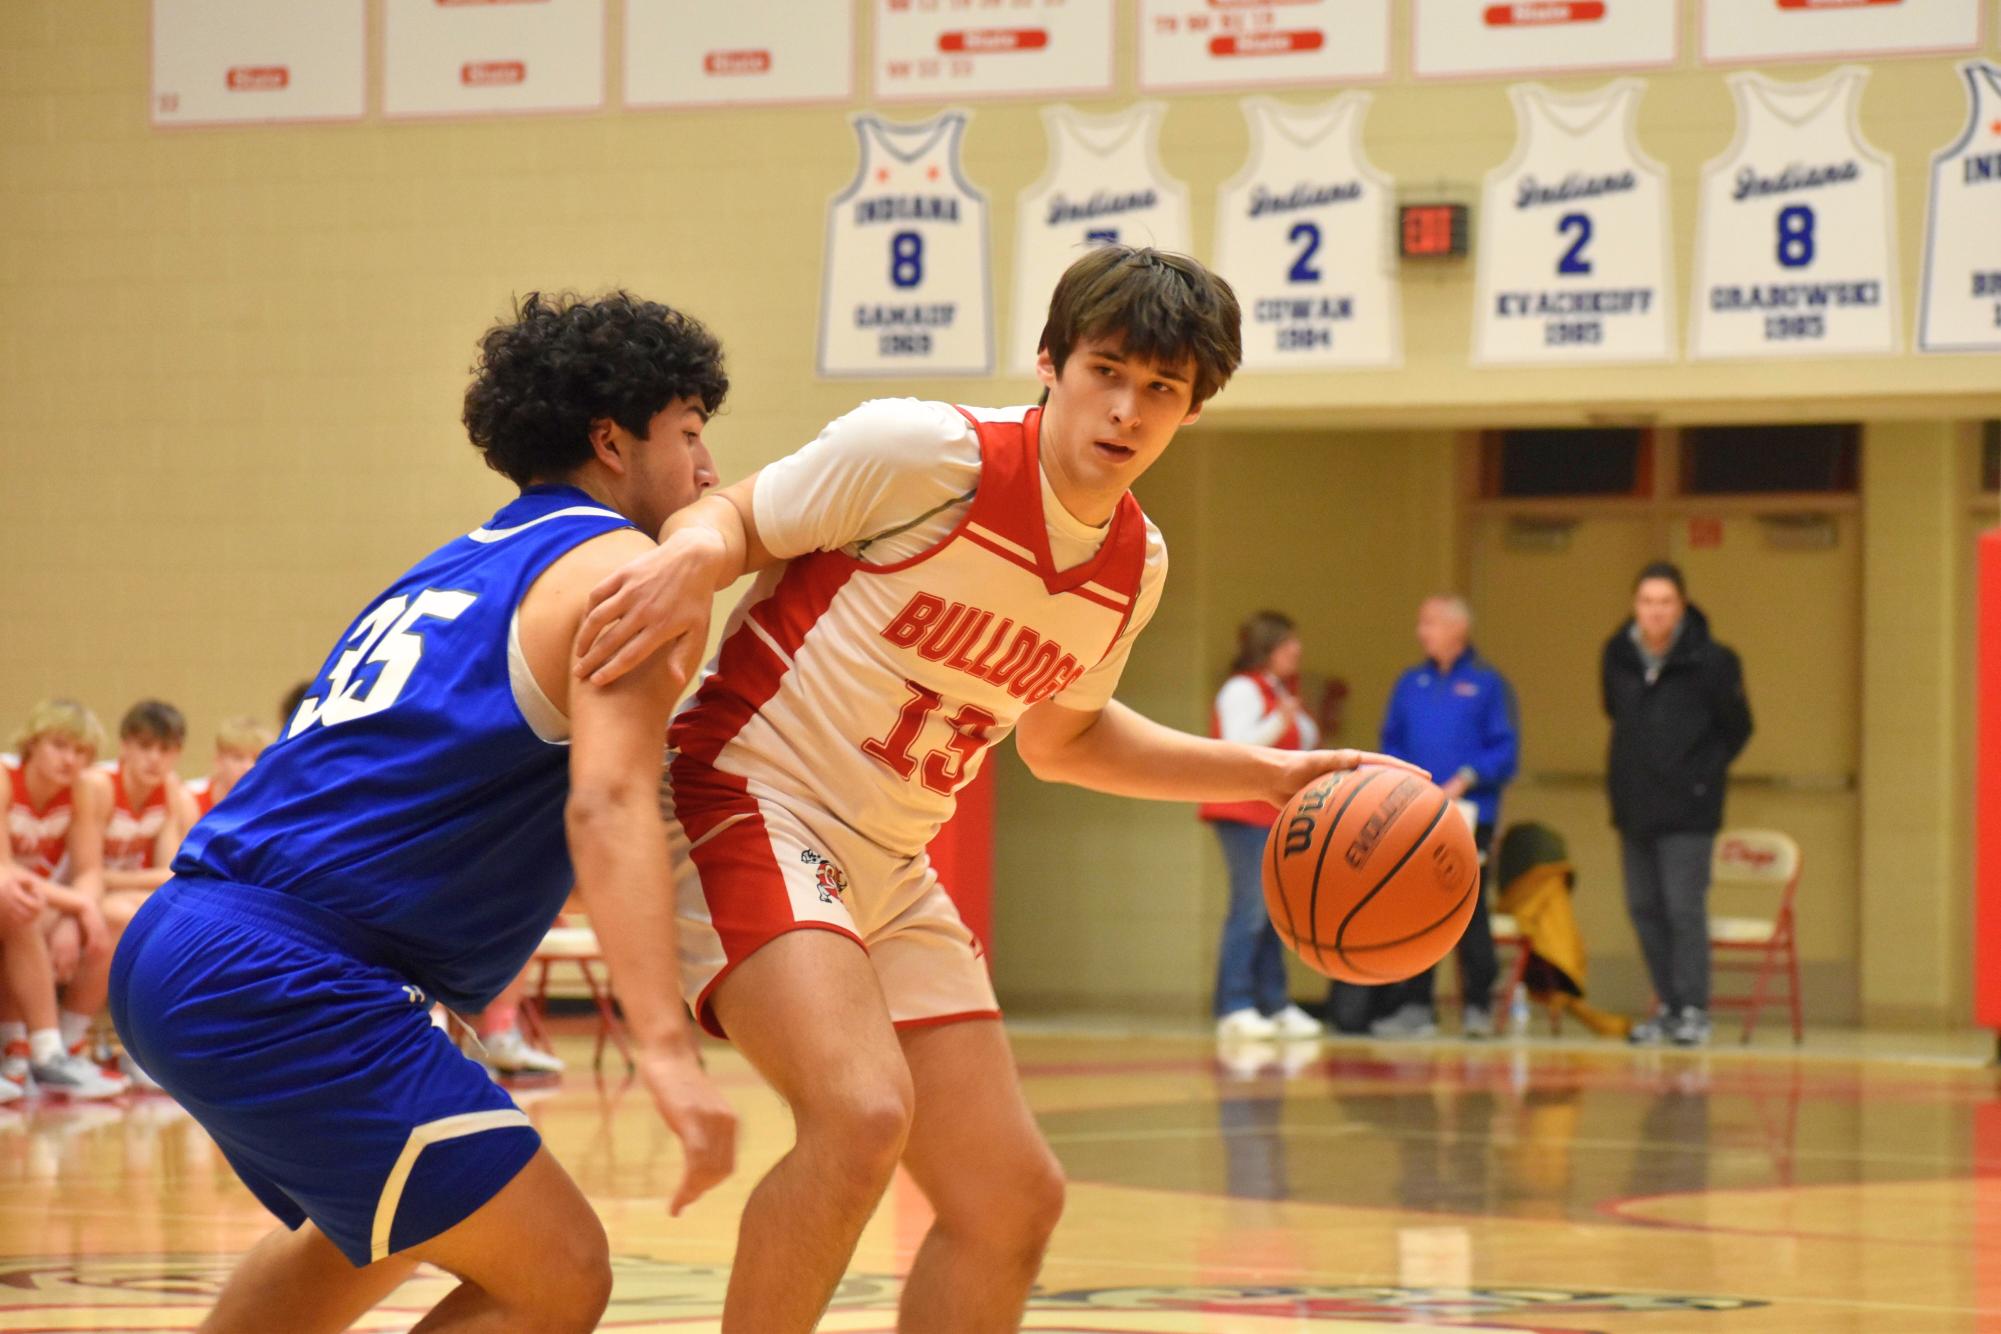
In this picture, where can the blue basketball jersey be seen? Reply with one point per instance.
(409, 795)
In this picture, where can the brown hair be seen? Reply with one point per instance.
(154, 720)
(1164, 307)
(1259, 637)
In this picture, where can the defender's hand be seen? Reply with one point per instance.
(659, 601)
(1302, 767)
(698, 1114)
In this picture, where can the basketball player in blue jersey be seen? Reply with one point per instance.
(410, 839)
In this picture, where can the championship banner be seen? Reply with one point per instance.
(1189, 44)
(1469, 38)
(1749, 31)
(487, 57)
(1573, 252)
(233, 62)
(906, 288)
(1795, 245)
(697, 53)
(930, 49)
(1961, 295)
(1303, 234)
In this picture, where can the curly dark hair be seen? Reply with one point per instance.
(565, 361)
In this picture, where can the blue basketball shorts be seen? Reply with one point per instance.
(313, 1065)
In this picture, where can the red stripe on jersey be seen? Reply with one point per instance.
(987, 544)
(748, 673)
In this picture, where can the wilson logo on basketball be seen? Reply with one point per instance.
(1299, 829)
(259, 78)
(491, 73)
(736, 62)
(1380, 819)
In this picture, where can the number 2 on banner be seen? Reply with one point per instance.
(1573, 261)
(1795, 236)
(906, 259)
(1302, 270)
(944, 771)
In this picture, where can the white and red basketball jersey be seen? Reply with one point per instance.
(133, 827)
(203, 791)
(874, 691)
(39, 836)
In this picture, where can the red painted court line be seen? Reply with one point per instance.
(1615, 1209)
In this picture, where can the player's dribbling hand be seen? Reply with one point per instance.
(698, 1114)
(657, 601)
(1302, 767)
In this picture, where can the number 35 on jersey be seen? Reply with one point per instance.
(906, 289)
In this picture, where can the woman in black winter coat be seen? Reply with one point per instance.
(1679, 717)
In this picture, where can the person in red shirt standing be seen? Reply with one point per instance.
(1258, 707)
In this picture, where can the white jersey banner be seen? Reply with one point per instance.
(1261, 43)
(218, 62)
(927, 49)
(1573, 249)
(906, 290)
(692, 53)
(1303, 234)
(1961, 310)
(1795, 251)
(1104, 183)
(1461, 38)
(475, 57)
(1745, 31)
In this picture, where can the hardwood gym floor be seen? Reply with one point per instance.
(1310, 1190)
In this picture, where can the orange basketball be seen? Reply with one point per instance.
(1370, 875)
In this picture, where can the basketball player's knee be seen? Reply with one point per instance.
(1042, 1194)
(574, 1283)
(866, 1122)
(1020, 1210)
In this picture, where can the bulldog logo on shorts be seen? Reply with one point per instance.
(833, 882)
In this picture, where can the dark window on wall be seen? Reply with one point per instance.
(1529, 464)
(1762, 460)
(1990, 456)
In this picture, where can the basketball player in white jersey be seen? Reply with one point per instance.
(930, 578)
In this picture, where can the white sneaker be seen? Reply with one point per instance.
(14, 1065)
(1245, 1023)
(138, 1078)
(509, 1053)
(73, 1075)
(9, 1090)
(1293, 1022)
(1246, 1059)
(1476, 1022)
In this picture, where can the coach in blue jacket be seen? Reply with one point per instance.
(1454, 715)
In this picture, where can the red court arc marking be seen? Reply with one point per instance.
(1267, 43)
(1542, 13)
(1617, 1211)
(993, 41)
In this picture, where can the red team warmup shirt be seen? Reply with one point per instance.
(39, 836)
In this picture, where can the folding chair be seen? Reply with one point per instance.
(1767, 861)
(578, 945)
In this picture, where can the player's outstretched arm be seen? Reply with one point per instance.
(1119, 751)
(618, 844)
(661, 600)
